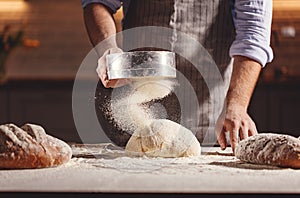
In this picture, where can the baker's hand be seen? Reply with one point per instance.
(237, 122)
(102, 71)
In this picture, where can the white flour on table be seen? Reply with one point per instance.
(108, 156)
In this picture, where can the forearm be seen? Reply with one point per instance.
(100, 25)
(244, 77)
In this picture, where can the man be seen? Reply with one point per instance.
(237, 30)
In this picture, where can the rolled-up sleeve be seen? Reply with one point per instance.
(252, 19)
(113, 5)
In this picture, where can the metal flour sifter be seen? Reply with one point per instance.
(141, 64)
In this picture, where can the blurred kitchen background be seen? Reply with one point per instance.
(51, 42)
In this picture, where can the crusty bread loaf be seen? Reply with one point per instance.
(270, 149)
(30, 147)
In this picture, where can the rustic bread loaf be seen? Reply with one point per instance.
(30, 147)
(270, 149)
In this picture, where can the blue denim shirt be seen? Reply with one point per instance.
(252, 20)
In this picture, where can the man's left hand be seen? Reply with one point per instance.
(236, 121)
(234, 118)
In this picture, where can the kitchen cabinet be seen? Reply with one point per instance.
(285, 111)
(3, 106)
(48, 104)
(259, 110)
(276, 107)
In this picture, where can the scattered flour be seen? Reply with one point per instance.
(128, 107)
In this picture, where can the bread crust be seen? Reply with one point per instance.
(30, 147)
(270, 149)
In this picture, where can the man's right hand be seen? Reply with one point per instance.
(102, 71)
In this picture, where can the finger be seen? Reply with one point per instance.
(234, 135)
(115, 50)
(221, 136)
(102, 68)
(101, 71)
(104, 80)
(252, 131)
(243, 132)
(220, 132)
(118, 83)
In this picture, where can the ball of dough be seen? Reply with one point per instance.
(163, 138)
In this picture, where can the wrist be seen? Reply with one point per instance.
(236, 106)
(237, 103)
